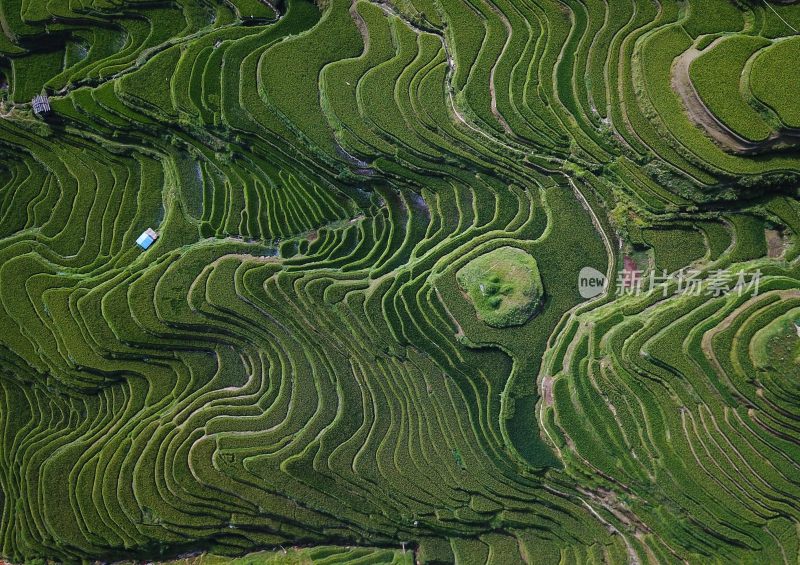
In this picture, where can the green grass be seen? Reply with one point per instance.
(708, 16)
(250, 9)
(503, 285)
(359, 336)
(771, 84)
(717, 77)
(32, 72)
(675, 248)
(777, 347)
(299, 556)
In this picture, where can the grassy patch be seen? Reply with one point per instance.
(503, 285)
(777, 346)
(773, 83)
(716, 76)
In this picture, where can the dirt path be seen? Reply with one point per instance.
(547, 390)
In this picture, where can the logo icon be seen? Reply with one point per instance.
(591, 282)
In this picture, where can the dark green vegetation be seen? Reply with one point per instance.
(294, 362)
(503, 285)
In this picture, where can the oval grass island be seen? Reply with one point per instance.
(503, 285)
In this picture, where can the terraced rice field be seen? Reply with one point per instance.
(360, 335)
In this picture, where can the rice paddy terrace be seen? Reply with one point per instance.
(359, 329)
